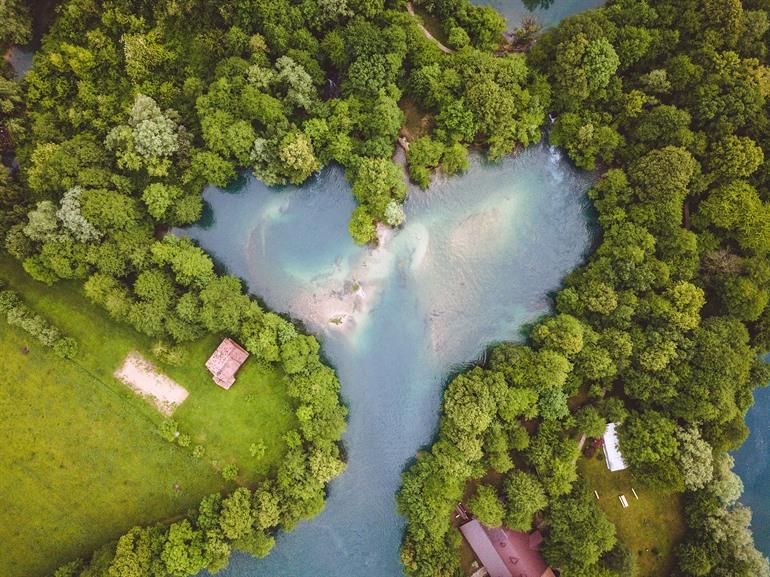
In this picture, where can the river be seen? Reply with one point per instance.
(474, 262)
(752, 463)
(545, 12)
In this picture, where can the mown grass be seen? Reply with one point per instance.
(651, 526)
(81, 461)
(255, 410)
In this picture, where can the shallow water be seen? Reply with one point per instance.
(474, 262)
(545, 12)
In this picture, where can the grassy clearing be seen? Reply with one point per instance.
(81, 461)
(256, 409)
(417, 122)
(651, 526)
(433, 24)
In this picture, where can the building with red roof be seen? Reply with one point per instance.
(506, 553)
(225, 362)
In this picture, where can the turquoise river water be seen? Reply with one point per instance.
(545, 12)
(473, 263)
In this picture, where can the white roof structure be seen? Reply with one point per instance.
(612, 454)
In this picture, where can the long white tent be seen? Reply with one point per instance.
(612, 453)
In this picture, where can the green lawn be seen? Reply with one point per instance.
(650, 526)
(81, 461)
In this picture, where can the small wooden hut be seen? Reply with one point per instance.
(225, 362)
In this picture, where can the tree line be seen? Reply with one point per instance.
(18, 314)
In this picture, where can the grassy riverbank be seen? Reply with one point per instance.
(81, 460)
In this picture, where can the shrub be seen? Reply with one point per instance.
(199, 451)
(230, 472)
(66, 347)
(18, 314)
(184, 440)
(458, 38)
(9, 300)
(257, 450)
(169, 430)
(169, 354)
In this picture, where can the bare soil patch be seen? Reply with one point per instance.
(145, 379)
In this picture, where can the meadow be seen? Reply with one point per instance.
(81, 459)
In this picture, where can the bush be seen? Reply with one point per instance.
(230, 472)
(66, 348)
(184, 440)
(199, 451)
(20, 315)
(424, 155)
(9, 300)
(169, 430)
(257, 450)
(458, 38)
(169, 354)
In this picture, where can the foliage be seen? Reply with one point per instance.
(20, 315)
(486, 506)
(169, 430)
(130, 110)
(525, 497)
(122, 135)
(15, 24)
(580, 533)
(661, 328)
(230, 472)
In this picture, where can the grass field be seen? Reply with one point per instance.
(650, 526)
(81, 461)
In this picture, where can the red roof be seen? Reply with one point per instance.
(478, 538)
(225, 362)
(506, 553)
(535, 540)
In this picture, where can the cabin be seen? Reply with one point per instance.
(225, 362)
(506, 553)
(612, 455)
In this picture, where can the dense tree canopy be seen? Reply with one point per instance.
(660, 330)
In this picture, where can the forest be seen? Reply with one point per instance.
(133, 106)
(660, 330)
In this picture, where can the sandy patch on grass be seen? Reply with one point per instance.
(142, 376)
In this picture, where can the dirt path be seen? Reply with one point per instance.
(428, 35)
(145, 379)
